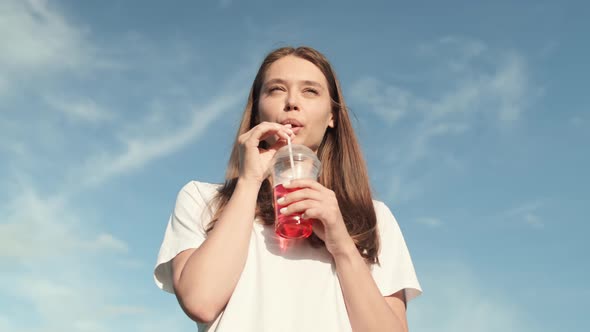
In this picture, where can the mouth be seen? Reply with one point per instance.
(296, 130)
(294, 123)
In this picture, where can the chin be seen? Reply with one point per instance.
(298, 140)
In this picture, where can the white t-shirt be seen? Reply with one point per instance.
(286, 285)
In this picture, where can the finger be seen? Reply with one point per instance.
(278, 144)
(299, 195)
(266, 129)
(263, 130)
(305, 183)
(313, 213)
(298, 207)
(319, 230)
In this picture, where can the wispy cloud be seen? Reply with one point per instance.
(55, 259)
(59, 259)
(389, 102)
(504, 91)
(470, 303)
(125, 310)
(41, 36)
(83, 110)
(142, 149)
(533, 220)
(38, 227)
(60, 253)
(60, 250)
(463, 49)
(525, 214)
(39, 39)
(105, 241)
(430, 222)
(471, 84)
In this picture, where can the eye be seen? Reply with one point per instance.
(311, 91)
(275, 88)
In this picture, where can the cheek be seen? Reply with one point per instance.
(264, 111)
(323, 113)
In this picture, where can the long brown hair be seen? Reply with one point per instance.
(343, 167)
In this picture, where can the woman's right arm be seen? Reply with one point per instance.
(204, 278)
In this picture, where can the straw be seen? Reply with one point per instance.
(291, 157)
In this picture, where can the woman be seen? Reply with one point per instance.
(220, 255)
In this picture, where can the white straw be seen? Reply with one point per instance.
(291, 157)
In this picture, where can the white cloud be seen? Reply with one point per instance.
(39, 38)
(58, 265)
(533, 220)
(63, 262)
(125, 310)
(524, 208)
(510, 86)
(526, 213)
(64, 304)
(40, 227)
(60, 250)
(464, 48)
(389, 102)
(80, 110)
(419, 147)
(140, 150)
(107, 242)
(503, 93)
(430, 222)
(471, 84)
(17, 148)
(469, 303)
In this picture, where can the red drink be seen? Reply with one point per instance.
(290, 226)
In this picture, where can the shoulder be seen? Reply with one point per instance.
(198, 190)
(382, 210)
(386, 221)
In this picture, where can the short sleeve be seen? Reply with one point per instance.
(185, 230)
(396, 270)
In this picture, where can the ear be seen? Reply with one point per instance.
(331, 121)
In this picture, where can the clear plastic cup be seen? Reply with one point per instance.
(306, 165)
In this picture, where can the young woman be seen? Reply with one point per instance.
(220, 255)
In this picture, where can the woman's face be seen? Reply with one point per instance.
(294, 91)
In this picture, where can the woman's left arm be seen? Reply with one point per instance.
(367, 309)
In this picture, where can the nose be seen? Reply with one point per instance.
(291, 104)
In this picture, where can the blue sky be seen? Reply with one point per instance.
(474, 120)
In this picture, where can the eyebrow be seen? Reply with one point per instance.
(303, 82)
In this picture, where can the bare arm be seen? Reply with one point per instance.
(205, 278)
(367, 309)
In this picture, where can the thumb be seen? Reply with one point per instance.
(278, 144)
(318, 229)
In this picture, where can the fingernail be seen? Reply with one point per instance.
(283, 210)
(281, 200)
(303, 216)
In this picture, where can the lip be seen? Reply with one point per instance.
(292, 122)
(296, 130)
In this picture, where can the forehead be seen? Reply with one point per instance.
(292, 68)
